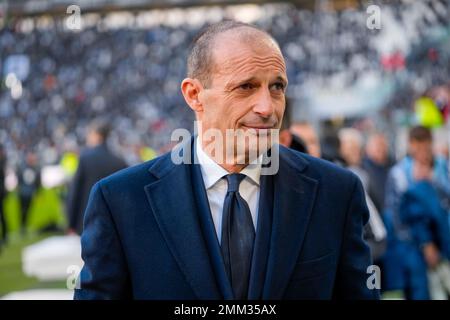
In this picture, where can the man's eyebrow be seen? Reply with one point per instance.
(236, 82)
(240, 81)
(282, 79)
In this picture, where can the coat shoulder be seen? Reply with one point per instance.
(325, 171)
(136, 176)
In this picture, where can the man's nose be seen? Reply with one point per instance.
(264, 105)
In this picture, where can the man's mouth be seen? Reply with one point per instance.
(259, 127)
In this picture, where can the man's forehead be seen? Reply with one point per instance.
(234, 43)
(234, 55)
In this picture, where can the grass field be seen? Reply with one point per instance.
(12, 277)
(46, 210)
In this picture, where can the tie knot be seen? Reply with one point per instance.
(234, 180)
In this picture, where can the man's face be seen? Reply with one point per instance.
(93, 138)
(377, 149)
(421, 151)
(309, 136)
(247, 89)
(351, 151)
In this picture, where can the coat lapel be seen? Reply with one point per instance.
(207, 225)
(173, 205)
(209, 233)
(294, 195)
(262, 240)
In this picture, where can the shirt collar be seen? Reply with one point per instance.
(212, 172)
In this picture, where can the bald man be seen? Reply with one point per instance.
(306, 132)
(240, 217)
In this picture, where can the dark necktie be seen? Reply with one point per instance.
(238, 235)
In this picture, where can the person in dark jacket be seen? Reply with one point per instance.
(96, 162)
(421, 210)
(29, 181)
(377, 164)
(351, 142)
(155, 231)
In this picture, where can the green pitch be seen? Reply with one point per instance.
(46, 210)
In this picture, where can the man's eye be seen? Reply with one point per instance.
(246, 86)
(278, 86)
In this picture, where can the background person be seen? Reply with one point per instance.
(95, 163)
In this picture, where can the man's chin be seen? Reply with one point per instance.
(250, 154)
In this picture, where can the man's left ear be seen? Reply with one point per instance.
(191, 89)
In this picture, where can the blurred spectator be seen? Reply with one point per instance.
(421, 210)
(441, 149)
(306, 132)
(417, 236)
(351, 142)
(28, 184)
(330, 144)
(3, 226)
(376, 164)
(95, 162)
(287, 137)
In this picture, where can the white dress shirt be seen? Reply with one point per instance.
(216, 187)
